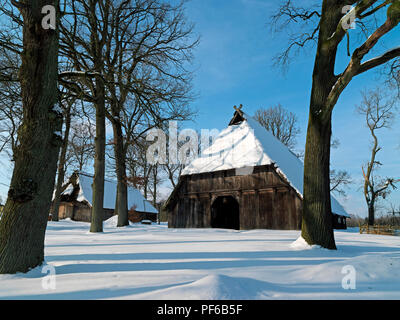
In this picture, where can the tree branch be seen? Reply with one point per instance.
(354, 66)
(375, 62)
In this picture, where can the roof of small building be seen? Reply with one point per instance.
(245, 144)
(85, 181)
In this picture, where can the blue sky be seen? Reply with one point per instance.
(234, 66)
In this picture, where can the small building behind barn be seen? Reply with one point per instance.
(76, 199)
(247, 179)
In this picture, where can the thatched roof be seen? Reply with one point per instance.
(245, 143)
(79, 188)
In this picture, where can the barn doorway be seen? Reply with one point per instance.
(225, 213)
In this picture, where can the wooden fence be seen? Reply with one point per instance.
(378, 229)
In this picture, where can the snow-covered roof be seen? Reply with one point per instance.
(248, 144)
(135, 198)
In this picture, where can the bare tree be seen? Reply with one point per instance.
(328, 26)
(394, 210)
(24, 220)
(84, 34)
(10, 100)
(155, 179)
(339, 180)
(392, 71)
(378, 111)
(135, 64)
(81, 145)
(147, 80)
(173, 169)
(10, 119)
(173, 172)
(138, 168)
(67, 105)
(281, 123)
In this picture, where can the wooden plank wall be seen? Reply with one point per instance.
(265, 200)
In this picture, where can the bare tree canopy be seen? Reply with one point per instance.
(281, 123)
(328, 25)
(81, 145)
(339, 180)
(379, 112)
(355, 20)
(10, 99)
(139, 59)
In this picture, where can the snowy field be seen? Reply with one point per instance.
(154, 262)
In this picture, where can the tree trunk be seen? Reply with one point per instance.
(155, 192)
(97, 37)
(371, 213)
(23, 226)
(369, 189)
(61, 166)
(121, 201)
(146, 175)
(99, 160)
(317, 221)
(155, 173)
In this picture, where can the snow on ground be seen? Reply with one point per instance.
(154, 262)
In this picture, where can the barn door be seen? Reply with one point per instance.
(225, 213)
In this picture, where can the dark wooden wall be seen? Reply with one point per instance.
(79, 212)
(265, 200)
(137, 216)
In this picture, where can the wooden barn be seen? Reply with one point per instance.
(77, 196)
(247, 179)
